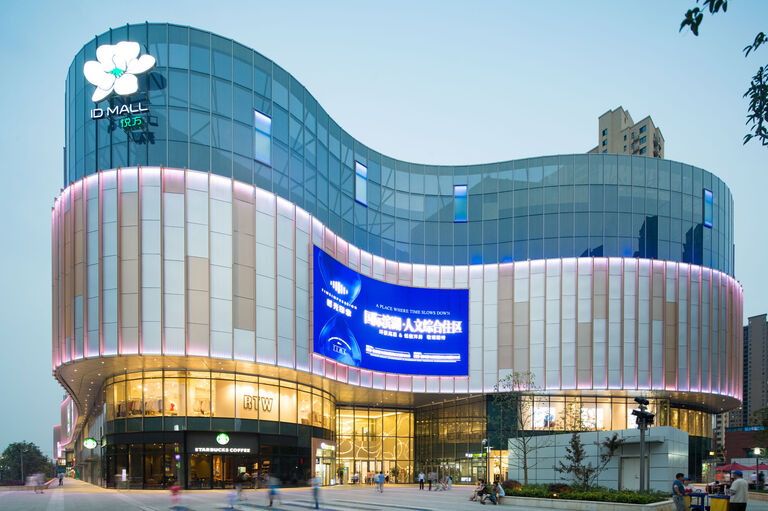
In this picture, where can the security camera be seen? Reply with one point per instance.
(641, 401)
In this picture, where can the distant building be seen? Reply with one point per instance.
(755, 372)
(619, 134)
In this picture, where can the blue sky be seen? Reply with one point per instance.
(430, 82)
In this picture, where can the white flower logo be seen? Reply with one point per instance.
(116, 69)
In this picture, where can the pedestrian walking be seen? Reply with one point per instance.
(61, 478)
(420, 478)
(429, 477)
(738, 492)
(316, 491)
(678, 492)
(274, 490)
(175, 489)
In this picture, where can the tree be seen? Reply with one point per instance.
(583, 474)
(25, 453)
(757, 112)
(514, 395)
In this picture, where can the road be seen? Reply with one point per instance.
(80, 496)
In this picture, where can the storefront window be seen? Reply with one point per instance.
(121, 409)
(134, 397)
(199, 397)
(222, 395)
(305, 408)
(269, 403)
(153, 396)
(327, 417)
(317, 411)
(247, 399)
(288, 405)
(109, 401)
(223, 398)
(174, 397)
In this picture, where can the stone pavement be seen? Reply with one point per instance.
(80, 496)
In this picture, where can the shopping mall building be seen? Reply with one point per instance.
(239, 284)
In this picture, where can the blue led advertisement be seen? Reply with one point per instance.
(371, 324)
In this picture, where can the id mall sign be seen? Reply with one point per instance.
(118, 111)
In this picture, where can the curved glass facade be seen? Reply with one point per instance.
(202, 97)
(186, 245)
(188, 400)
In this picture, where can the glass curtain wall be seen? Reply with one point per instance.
(373, 440)
(199, 399)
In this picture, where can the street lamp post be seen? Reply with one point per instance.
(644, 419)
(758, 452)
(487, 452)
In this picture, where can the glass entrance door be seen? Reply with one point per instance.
(223, 471)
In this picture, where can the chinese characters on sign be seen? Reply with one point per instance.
(363, 322)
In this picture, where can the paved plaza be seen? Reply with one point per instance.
(80, 496)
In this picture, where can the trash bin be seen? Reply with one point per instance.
(687, 502)
(719, 502)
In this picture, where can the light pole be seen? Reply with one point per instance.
(487, 452)
(644, 419)
(758, 451)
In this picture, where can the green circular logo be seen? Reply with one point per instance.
(222, 438)
(89, 443)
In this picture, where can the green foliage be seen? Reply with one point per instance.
(33, 459)
(694, 17)
(584, 475)
(596, 494)
(757, 110)
(559, 488)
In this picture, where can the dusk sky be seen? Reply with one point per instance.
(429, 82)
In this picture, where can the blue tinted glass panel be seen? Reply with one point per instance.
(361, 183)
(460, 203)
(262, 141)
(707, 208)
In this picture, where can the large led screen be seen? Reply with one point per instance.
(370, 324)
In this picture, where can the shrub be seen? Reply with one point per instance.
(563, 491)
(510, 485)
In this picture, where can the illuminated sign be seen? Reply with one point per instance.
(223, 449)
(222, 439)
(474, 454)
(116, 69)
(89, 443)
(118, 111)
(371, 324)
(327, 447)
(252, 403)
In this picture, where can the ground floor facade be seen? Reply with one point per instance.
(210, 429)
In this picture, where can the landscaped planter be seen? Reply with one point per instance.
(584, 505)
(755, 495)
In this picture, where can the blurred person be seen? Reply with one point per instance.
(274, 490)
(420, 478)
(689, 488)
(316, 482)
(738, 492)
(175, 489)
(61, 478)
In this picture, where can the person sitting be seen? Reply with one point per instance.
(499, 492)
(689, 488)
(487, 493)
(476, 492)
